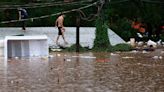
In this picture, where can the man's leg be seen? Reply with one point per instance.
(64, 38)
(23, 26)
(57, 40)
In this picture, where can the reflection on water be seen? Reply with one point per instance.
(84, 72)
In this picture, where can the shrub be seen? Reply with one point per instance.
(122, 47)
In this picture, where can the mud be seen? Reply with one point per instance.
(85, 72)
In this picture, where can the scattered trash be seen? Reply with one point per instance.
(112, 54)
(12, 82)
(68, 60)
(58, 55)
(84, 56)
(56, 49)
(50, 56)
(44, 57)
(140, 43)
(162, 43)
(128, 42)
(139, 63)
(127, 57)
(150, 42)
(132, 42)
(159, 42)
(160, 57)
(157, 57)
(150, 48)
(144, 51)
(16, 57)
(134, 51)
(162, 52)
(139, 35)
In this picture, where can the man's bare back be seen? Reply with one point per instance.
(59, 21)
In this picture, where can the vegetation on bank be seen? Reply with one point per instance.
(118, 47)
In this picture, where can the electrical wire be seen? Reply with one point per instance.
(146, 1)
(116, 2)
(40, 5)
(92, 17)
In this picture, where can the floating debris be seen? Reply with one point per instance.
(68, 60)
(56, 49)
(16, 57)
(112, 54)
(145, 51)
(127, 57)
(160, 57)
(84, 56)
(152, 43)
(162, 52)
(50, 56)
(134, 51)
(157, 57)
(58, 55)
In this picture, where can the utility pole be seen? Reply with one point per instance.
(77, 33)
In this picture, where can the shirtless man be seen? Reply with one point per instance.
(61, 29)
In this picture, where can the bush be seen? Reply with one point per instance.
(122, 47)
(123, 28)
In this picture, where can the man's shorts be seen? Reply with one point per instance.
(59, 30)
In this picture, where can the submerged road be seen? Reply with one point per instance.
(85, 72)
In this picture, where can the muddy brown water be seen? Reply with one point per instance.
(85, 72)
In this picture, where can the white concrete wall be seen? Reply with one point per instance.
(86, 38)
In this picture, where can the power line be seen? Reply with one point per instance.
(92, 17)
(41, 17)
(41, 5)
(146, 1)
(153, 2)
(121, 1)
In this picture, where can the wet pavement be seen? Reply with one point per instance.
(85, 72)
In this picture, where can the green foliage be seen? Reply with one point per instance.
(123, 28)
(101, 42)
(162, 37)
(122, 47)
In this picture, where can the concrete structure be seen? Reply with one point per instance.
(87, 35)
(25, 46)
(1, 47)
(114, 38)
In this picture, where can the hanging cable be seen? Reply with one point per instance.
(92, 17)
(41, 5)
(153, 2)
(121, 1)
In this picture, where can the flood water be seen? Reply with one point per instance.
(85, 72)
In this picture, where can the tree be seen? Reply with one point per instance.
(101, 41)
